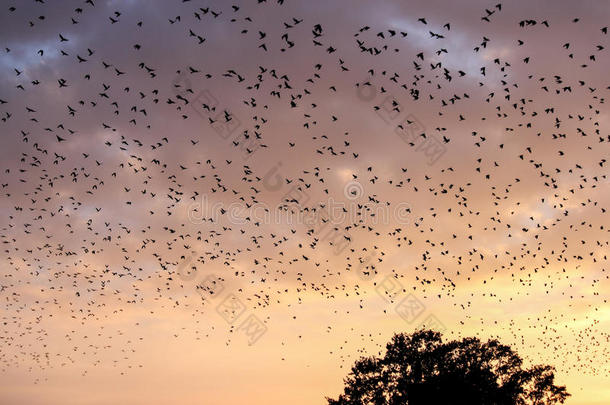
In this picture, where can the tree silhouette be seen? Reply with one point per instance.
(420, 369)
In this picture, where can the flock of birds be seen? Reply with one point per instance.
(99, 175)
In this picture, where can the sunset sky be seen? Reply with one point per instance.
(209, 202)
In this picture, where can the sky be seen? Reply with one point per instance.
(209, 202)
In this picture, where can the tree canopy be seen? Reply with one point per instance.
(419, 368)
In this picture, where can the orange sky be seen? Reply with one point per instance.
(296, 178)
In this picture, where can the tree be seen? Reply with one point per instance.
(420, 369)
